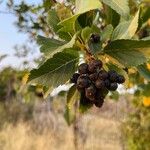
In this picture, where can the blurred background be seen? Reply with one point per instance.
(30, 122)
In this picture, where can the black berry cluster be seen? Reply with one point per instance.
(94, 82)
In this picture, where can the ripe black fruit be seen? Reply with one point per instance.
(75, 78)
(100, 84)
(84, 101)
(107, 83)
(101, 93)
(99, 103)
(113, 76)
(120, 79)
(83, 68)
(93, 76)
(94, 65)
(94, 83)
(83, 81)
(95, 38)
(103, 75)
(90, 92)
(113, 86)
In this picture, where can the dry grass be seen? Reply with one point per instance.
(101, 134)
(22, 137)
(98, 130)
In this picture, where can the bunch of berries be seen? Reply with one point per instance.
(94, 82)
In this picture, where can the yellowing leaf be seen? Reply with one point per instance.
(148, 66)
(86, 5)
(146, 101)
(25, 78)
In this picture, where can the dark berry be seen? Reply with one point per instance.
(90, 92)
(113, 76)
(111, 72)
(121, 79)
(107, 83)
(103, 75)
(94, 65)
(83, 68)
(83, 81)
(74, 78)
(100, 84)
(95, 38)
(113, 86)
(84, 101)
(99, 103)
(101, 93)
(93, 76)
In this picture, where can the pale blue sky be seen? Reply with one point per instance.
(9, 36)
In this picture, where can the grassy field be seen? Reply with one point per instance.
(98, 130)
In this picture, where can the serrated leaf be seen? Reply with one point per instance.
(86, 19)
(86, 33)
(107, 32)
(129, 52)
(144, 71)
(53, 20)
(56, 70)
(82, 6)
(120, 6)
(72, 96)
(127, 29)
(112, 17)
(52, 46)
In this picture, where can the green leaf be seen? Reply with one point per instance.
(53, 20)
(56, 70)
(95, 48)
(51, 46)
(64, 36)
(72, 96)
(129, 52)
(107, 32)
(86, 33)
(127, 29)
(69, 116)
(120, 6)
(145, 14)
(82, 6)
(112, 17)
(144, 71)
(86, 19)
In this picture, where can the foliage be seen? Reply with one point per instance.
(65, 30)
(121, 43)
